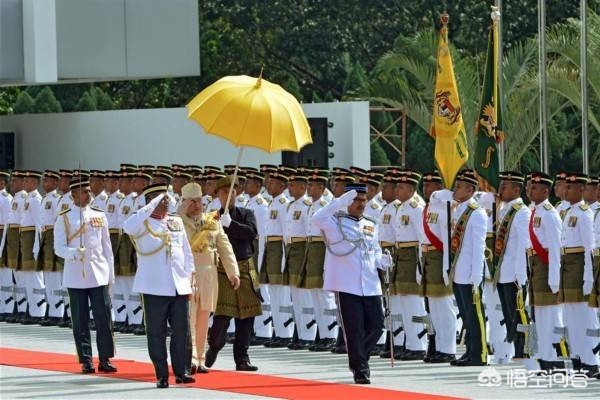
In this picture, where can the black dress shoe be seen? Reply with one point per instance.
(279, 343)
(410, 355)
(438, 358)
(339, 350)
(201, 369)
(106, 366)
(469, 362)
(139, 330)
(87, 368)
(162, 383)
(210, 357)
(361, 379)
(185, 378)
(325, 345)
(245, 366)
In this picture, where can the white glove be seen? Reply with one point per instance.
(553, 288)
(587, 287)
(445, 277)
(476, 285)
(521, 280)
(226, 220)
(77, 253)
(347, 198)
(444, 195)
(419, 277)
(386, 260)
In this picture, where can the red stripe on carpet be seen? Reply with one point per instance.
(225, 381)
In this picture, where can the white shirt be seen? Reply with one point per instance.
(577, 230)
(100, 201)
(408, 222)
(386, 222)
(31, 209)
(373, 209)
(112, 209)
(5, 204)
(126, 208)
(437, 220)
(596, 211)
(95, 266)
(296, 218)
(353, 253)
(49, 209)
(214, 205)
(258, 205)
(16, 208)
(277, 213)
(65, 202)
(168, 271)
(313, 230)
(547, 228)
(513, 267)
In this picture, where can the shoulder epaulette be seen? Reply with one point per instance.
(558, 204)
(23, 195)
(96, 209)
(517, 206)
(307, 202)
(374, 206)
(259, 201)
(584, 207)
(120, 196)
(414, 203)
(547, 206)
(323, 203)
(282, 200)
(64, 211)
(56, 195)
(474, 206)
(5, 194)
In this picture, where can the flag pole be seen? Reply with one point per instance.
(584, 91)
(542, 85)
(499, 102)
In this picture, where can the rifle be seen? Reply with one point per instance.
(388, 313)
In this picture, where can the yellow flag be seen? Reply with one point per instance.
(447, 128)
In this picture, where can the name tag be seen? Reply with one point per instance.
(64, 206)
(572, 222)
(15, 206)
(296, 215)
(273, 214)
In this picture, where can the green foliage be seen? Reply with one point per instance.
(102, 99)
(87, 102)
(23, 103)
(8, 97)
(378, 155)
(45, 102)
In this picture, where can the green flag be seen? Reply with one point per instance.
(488, 128)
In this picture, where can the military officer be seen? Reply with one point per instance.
(266, 170)
(13, 242)
(47, 260)
(66, 200)
(590, 192)
(544, 269)
(374, 205)
(182, 178)
(97, 186)
(435, 283)
(466, 271)
(576, 276)
(272, 271)
(325, 308)
(512, 242)
(81, 238)
(560, 193)
(211, 176)
(340, 177)
(353, 257)
(263, 326)
(6, 274)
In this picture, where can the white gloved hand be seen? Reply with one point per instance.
(347, 198)
(443, 195)
(77, 252)
(475, 289)
(386, 260)
(587, 287)
(553, 288)
(445, 277)
(521, 280)
(226, 220)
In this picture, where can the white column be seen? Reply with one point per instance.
(39, 40)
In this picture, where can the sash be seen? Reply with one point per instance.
(434, 240)
(542, 253)
(503, 230)
(459, 232)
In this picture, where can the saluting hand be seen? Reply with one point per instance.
(235, 282)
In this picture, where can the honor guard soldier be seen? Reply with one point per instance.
(296, 227)
(126, 267)
(66, 200)
(263, 327)
(590, 193)
(406, 275)
(6, 274)
(512, 242)
(27, 275)
(373, 182)
(266, 170)
(111, 211)
(340, 177)
(466, 271)
(180, 179)
(211, 176)
(435, 283)
(560, 193)
(594, 299)
(577, 244)
(163, 278)
(353, 258)
(13, 244)
(81, 238)
(387, 242)
(544, 269)
(325, 308)
(97, 186)
(272, 270)
(47, 260)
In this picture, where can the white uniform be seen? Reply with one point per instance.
(513, 266)
(373, 209)
(260, 208)
(52, 279)
(6, 274)
(124, 284)
(214, 205)
(14, 220)
(296, 228)
(33, 280)
(100, 201)
(111, 208)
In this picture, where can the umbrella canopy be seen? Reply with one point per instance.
(251, 112)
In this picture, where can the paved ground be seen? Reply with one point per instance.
(20, 383)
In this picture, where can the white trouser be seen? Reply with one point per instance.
(231, 327)
(397, 321)
(441, 310)
(7, 291)
(325, 313)
(118, 299)
(304, 313)
(578, 318)
(282, 311)
(135, 313)
(496, 329)
(36, 293)
(413, 306)
(54, 294)
(262, 329)
(21, 290)
(546, 319)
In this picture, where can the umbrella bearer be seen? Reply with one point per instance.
(28, 276)
(323, 300)
(273, 262)
(406, 277)
(263, 328)
(435, 284)
(125, 270)
(47, 260)
(387, 241)
(296, 227)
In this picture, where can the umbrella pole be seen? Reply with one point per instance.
(235, 171)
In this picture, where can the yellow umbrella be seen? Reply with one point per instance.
(251, 112)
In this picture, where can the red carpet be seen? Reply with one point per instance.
(225, 381)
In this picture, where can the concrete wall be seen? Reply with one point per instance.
(103, 139)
